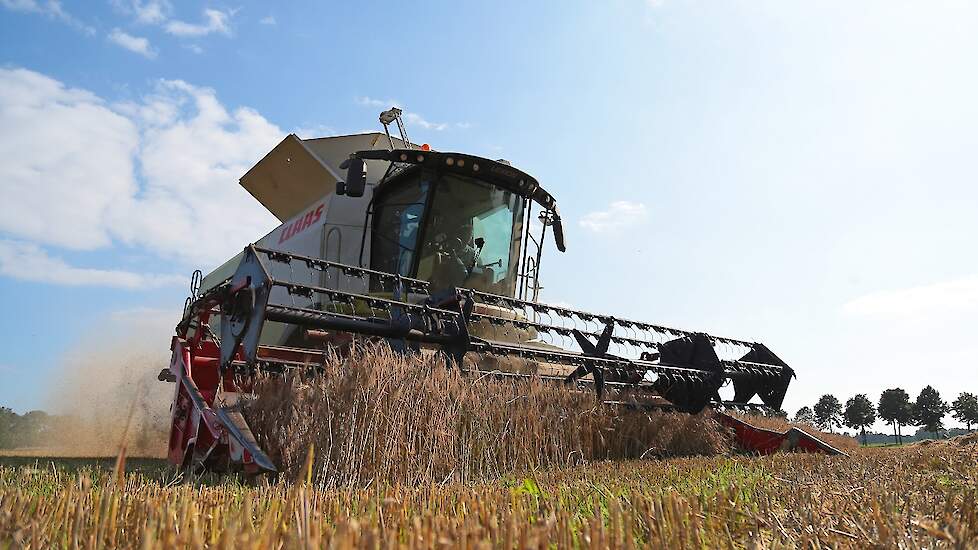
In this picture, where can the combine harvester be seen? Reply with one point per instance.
(430, 251)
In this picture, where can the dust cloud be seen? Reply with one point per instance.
(105, 390)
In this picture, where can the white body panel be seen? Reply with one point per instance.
(296, 181)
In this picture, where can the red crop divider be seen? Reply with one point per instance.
(766, 441)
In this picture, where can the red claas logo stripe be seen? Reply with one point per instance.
(299, 225)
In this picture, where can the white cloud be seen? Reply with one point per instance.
(942, 297)
(316, 131)
(52, 9)
(618, 215)
(159, 12)
(198, 195)
(151, 12)
(268, 20)
(373, 102)
(28, 262)
(409, 117)
(215, 21)
(65, 159)
(132, 43)
(415, 118)
(21, 5)
(159, 173)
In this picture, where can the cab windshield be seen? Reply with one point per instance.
(455, 232)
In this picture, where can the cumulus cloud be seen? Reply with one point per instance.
(215, 21)
(52, 9)
(181, 200)
(619, 214)
(79, 173)
(268, 20)
(941, 297)
(136, 44)
(28, 262)
(65, 159)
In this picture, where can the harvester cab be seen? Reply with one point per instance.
(454, 220)
(433, 252)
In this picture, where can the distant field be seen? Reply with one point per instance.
(911, 497)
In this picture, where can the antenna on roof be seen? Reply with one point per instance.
(394, 115)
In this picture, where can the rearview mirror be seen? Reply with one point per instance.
(558, 231)
(356, 178)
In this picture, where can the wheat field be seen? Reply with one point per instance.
(380, 416)
(915, 497)
(392, 451)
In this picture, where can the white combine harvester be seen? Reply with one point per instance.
(428, 250)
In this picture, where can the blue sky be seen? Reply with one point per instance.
(795, 173)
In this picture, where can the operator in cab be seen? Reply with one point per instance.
(456, 253)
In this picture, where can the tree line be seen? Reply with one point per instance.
(895, 408)
(22, 430)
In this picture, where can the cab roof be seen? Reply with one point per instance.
(297, 172)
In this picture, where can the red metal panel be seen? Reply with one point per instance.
(765, 441)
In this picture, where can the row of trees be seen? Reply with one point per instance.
(894, 407)
(18, 430)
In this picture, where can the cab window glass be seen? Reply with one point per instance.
(398, 217)
(472, 237)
